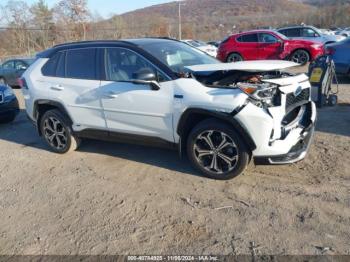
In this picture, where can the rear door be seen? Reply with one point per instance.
(75, 83)
(248, 46)
(293, 33)
(270, 47)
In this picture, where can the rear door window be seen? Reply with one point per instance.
(293, 32)
(81, 63)
(248, 38)
(9, 65)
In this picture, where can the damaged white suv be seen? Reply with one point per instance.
(164, 92)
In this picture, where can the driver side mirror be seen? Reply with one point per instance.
(22, 67)
(146, 76)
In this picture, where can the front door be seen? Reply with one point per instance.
(131, 108)
(270, 47)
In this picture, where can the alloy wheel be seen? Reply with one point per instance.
(234, 58)
(300, 57)
(55, 133)
(215, 151)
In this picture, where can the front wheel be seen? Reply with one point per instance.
(57, 132)
(300, 57)
(217, 150)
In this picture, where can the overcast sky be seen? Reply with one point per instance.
(108, 7)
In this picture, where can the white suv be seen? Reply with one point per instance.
(164, 92)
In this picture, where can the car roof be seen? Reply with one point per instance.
(256, 31)
(105, 43)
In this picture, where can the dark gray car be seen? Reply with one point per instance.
(340, 53)
(12, 69)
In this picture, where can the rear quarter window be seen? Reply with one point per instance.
(49, 69)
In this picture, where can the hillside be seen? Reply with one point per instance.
(209, 19)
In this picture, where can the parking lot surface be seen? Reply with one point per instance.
(110, 198)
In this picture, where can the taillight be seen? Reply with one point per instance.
(330, 50)
(22, 83)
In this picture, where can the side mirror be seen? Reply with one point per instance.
(22, 67)
(146, 76)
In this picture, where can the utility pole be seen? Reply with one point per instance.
(180, 28)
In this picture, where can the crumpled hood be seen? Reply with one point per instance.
(248, 66)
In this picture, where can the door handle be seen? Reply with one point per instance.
(111, 94)
(57, 88)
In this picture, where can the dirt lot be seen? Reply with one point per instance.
(121, 199)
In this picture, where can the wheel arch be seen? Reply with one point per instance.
(43, 105)
(192, 116)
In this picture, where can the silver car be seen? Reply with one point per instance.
(309, 33)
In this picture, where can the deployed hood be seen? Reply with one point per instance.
(248, 66)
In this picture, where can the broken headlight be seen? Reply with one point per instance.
(260, 94)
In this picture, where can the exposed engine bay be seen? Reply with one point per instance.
(230, 79)
(254, 84)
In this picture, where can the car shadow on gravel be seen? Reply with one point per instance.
(22, 132)
(163, 158)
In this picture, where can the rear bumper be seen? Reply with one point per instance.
(9, 108)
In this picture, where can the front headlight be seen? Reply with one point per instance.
(8, 92)
(261, 93)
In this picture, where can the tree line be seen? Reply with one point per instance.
(26, 29)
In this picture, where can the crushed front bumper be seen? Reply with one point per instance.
(276, 143)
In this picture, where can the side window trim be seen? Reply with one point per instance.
(104, 53)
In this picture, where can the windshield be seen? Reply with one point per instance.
(178, 55)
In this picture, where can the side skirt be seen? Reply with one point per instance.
(126, 138)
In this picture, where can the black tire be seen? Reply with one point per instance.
(236, 152)
(234, 57)
(300, 56)
(63, 139)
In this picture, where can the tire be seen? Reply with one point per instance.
(300, 56)
(206, 138)
(57, 132)
(234, 57)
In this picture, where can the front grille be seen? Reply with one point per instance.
(1, 97)
(293, 101)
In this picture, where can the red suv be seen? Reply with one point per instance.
(268, 44)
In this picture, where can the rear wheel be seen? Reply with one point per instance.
(57, 132)
(234, 57)
(300, 57)
(217, 150)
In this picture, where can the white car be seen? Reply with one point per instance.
(344, 32)
(209, 49)
(164, 92)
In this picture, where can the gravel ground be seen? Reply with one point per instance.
(120, 199)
